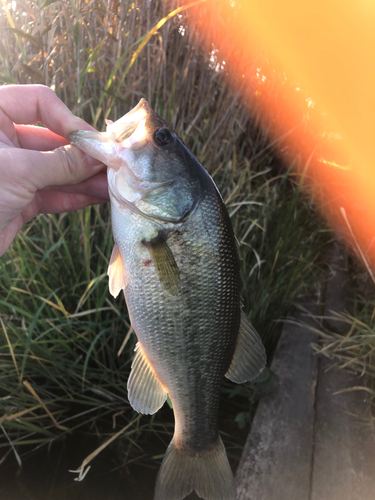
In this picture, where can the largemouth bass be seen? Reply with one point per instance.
(176, 260)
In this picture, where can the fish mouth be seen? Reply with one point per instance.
(132, 131)
(131, 128)
(114, 148)
(129, 132)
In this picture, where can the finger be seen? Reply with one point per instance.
(34, 170)
(45, 202)
(9, 233)
(53, 202)
(38, 138)
(96, 186)
(39, 103)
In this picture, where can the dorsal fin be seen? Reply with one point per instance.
(145, 392)
(249, 356)
(116, 272)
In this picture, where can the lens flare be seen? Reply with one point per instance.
(326, 101)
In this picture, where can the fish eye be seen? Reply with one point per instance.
(163, 137)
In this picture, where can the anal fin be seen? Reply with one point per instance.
(249, 356)
(145, 392)
(116, 272)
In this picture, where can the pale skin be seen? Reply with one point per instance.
(39, 171)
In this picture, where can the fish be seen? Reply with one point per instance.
(176, 259)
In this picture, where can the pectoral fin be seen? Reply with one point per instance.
(165, 264)
(116, 272)
(249, 356)
(145, 392)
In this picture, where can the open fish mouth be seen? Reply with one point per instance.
(131, 128)
(129, 132)
(116, 147)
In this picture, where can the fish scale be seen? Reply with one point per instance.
(176, 260)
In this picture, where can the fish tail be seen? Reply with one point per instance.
(207, 472)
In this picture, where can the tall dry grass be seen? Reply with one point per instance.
(83, 51)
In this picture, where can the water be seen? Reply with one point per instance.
(45, 473)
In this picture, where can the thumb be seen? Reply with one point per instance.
(62, 166)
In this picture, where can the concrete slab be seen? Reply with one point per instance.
(344, 453)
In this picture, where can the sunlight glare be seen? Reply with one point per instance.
(308, 42)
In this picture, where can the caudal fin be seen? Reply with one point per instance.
(207, 472)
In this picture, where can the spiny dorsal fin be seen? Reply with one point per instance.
(249, 356)
(165, 264)
(116, 272)
(145, 392)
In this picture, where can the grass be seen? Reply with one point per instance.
(354, 347)
(60, 330)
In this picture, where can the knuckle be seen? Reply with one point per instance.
(44, 92)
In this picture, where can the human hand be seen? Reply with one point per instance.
(39, 171)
